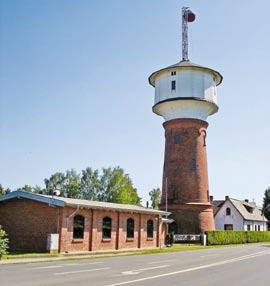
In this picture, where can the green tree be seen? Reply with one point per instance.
(38, 190)
(266, 204)
(2, 190)
(90, 184)
(117, 187)
(55, 182)
(72, 184)
(3, 242)
(25, 188)
(155, 197)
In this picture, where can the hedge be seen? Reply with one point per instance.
(219, 237)
(3, 242)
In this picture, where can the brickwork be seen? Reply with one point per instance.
(67, 242)
(186, 176)
(28, 223)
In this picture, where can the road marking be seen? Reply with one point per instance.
(137, 271)
(162, 261)
(92, 263)
(257, 254)
(81, 271)
(48, 267)
(70, 264)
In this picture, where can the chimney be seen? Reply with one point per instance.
(211, 199)
(246, 200)
(226, 198)
(147, 204)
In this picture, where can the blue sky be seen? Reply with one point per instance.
(74, 90)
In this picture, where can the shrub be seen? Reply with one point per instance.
(219, 237)
(3, 242)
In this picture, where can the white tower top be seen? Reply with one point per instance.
(185, 90)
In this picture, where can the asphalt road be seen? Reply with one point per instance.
(242, 266)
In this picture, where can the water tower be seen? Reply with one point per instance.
(185, 95)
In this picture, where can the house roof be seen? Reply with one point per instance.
(240, 206)
(216, 205)
(63, 202)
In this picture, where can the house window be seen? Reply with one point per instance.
(78, 227)
(107, 228)
(255, 227)
(173, 85)
(130, 228)
(228, 211)
(173, 73)
(228, 227)
(150, 229)
(259, 228)
(248, 227)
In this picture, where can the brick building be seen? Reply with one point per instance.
(78, 225)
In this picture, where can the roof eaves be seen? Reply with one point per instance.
(145, 211)
(34, 197)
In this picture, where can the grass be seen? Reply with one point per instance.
(174, 248)
(13, 255)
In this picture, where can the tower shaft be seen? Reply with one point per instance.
(185, 170)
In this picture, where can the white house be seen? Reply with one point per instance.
(232, 214)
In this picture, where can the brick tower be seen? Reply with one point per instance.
(185, 95)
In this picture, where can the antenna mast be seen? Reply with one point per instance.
(187, 16)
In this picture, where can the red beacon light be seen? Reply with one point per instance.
(190, 16)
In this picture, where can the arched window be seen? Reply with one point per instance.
(228, 211)
(130, 228)
(107, 227)
(78, 227)
(150, 229)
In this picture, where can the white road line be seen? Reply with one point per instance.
(92, 263)
(257, 254)
(81, 271)
(48, 267)
(137, 271)
(162, 261)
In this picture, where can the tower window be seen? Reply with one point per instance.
(173, 85)
(173, 73)
(193, 165)
(177, 138)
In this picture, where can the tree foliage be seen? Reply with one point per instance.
(117, 187)
(266, 204)
(3, 242)
(90, 184)
(110, 185)
(155, 197)
(2, 190)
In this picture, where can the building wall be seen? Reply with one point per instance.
(235, 218)
(67, 243)
(255, 225)
(28, 223)
(93, 240)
